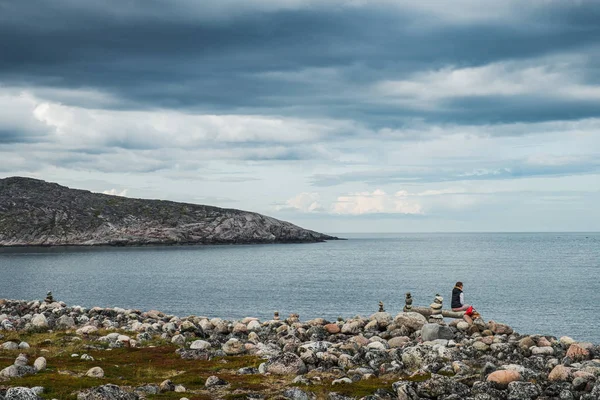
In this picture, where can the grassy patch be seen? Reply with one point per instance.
(133, 367)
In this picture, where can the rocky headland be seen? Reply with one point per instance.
(38, 213)
(51, 350)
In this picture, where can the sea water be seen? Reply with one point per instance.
(547, 283)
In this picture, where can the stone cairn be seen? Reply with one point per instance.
(381, 309)
(49, 298)
(408, 302)
(294, 317)
(436, 310)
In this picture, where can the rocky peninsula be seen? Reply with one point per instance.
(54, 351)
(38, 213)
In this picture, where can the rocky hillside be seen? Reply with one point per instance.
(35, 212)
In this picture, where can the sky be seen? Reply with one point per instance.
(336, 115)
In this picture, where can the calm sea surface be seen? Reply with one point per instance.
(545, 283)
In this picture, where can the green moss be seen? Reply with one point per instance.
(124, 367)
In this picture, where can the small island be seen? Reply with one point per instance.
(38, 213)
(49, 350)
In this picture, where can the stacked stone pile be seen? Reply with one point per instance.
(479, 361)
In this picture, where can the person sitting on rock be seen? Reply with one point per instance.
(458, 303)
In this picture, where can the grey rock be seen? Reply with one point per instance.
(412, 357)
(21, 393)
(247, 371)
(439, 385)
(405, 390)
(65, 322)
(39, 364)
(212, 381)
(95, 372)
(107, 392)
(166, 386)
(412, 320)
(297, 394)
(286, 364)
(178, 340)
(200, 345)
(523, 391)
(17, 371)
(148, 389)
(431, 332)
(233, 347)
(10, 346)
(21, 360)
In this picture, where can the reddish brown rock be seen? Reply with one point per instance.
(332, 328)
(488, 340)
(543, 342)
(399, 341)
(577, 352)
(526, 343)
(560, 373)
(499, 329)
(503, 377)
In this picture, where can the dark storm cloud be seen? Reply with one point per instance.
(149, 54)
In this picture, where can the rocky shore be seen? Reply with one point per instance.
(51, 350)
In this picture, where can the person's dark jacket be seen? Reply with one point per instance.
(456, 292)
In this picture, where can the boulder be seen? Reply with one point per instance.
(286, 364)
(86, 330)
(332, 328)
(21, 393)
(439, 385)
(106, 392)
(200, 345)
(178, 340)
(462, 325)
(398, 341)
(21, 360)
(253, 325)
(95, 372)
(233, 347)
(560, 373)
(39, 364)
(383, 319)
(352, 327)
(212, 381)
(503, 377)
(166, 386)
(430, 332)
(566, 341)
(39, 321)
(526, 343)
(10, 346)
(543, 351)
(499, 329)
(412, 320)
(65, 322)
(297, 394)
(412, 357)
(17, 371)
(577, 352)
(523, 391)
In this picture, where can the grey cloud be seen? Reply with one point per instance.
(156, 56)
